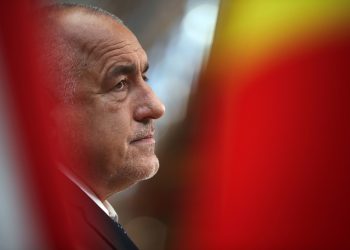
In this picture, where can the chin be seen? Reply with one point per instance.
(149, 168)
(141, 168)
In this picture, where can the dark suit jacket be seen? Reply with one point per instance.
(88, 225)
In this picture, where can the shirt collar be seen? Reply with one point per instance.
(104, 205)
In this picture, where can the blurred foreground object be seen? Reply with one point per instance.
(270, 165)
(31, 213)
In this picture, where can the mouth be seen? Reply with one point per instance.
(144, 139)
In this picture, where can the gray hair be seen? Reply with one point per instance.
(63, 61)
(88, 8)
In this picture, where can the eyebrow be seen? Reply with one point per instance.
(123, 69)
(127, 69)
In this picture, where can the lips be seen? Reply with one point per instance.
(143, 137)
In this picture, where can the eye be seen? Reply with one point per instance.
(145, 78)
(121, 86)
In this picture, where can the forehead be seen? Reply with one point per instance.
(96, 35)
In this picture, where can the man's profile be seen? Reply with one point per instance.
(103, 116)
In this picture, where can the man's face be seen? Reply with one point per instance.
(109, 128)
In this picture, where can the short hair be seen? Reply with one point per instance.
(63, 62)
(89, 8)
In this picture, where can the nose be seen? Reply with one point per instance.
(149, 106)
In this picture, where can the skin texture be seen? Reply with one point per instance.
(106, 132)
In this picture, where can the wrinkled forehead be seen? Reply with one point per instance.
(86, 31)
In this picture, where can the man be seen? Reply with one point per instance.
(103, 119)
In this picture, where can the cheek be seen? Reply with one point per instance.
(115, 118)
(106, 127)
(113, 124)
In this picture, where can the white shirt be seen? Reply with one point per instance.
(104, 205)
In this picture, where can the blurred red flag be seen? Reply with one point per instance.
(28, 108)
(271, 167)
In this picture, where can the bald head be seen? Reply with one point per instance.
(66, 7)
(69, 29)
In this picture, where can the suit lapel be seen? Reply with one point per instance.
(108, 230)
